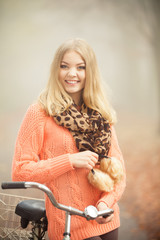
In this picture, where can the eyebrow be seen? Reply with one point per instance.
(76, 64)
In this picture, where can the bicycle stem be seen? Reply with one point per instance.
(67, 227)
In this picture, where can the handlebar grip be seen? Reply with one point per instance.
(12, 185)
(108, 214)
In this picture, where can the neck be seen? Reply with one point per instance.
(77, 100)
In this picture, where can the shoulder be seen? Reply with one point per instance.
(36, 108)
(35, 111)
(35, 117)
(33, 122)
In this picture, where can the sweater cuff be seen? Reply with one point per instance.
(108, 199)
(60, 165)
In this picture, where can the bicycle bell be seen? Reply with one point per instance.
(91, 212)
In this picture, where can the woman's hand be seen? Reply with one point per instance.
(101, 220)
(86, 159)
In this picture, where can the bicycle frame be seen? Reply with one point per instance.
(89, 213)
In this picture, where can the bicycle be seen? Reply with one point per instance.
(34, 211)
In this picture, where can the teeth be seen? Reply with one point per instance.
(72, 82)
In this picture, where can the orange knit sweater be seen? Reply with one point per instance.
(42, 155)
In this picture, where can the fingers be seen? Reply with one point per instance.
(95, 155)
(109, 218)
(102, 220)
(89, 159)
(90, 164)
(92, 159)
(86, 159)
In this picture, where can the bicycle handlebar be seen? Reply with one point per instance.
(13, 185)
(89, 213)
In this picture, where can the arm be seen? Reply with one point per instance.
(26, 163)
(109, 199)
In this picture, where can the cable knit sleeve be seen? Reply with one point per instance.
(26, 163)
(112, 197)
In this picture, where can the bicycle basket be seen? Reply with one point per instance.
(10, 227)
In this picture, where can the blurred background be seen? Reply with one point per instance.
(125, 35)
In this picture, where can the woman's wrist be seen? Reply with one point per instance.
(71, 160)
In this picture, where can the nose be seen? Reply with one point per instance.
(72, 72)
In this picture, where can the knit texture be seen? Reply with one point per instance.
(42, 155)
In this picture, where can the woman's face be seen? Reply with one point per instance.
(72, 75)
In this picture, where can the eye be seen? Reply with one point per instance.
(63, 66)
(82, 67)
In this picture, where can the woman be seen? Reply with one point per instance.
(47, 148)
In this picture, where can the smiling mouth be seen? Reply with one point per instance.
(72, 81)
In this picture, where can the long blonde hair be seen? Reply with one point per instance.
(54, 99)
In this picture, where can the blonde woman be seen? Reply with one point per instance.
(56, 144)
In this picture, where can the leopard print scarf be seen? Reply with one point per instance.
(88, 128)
